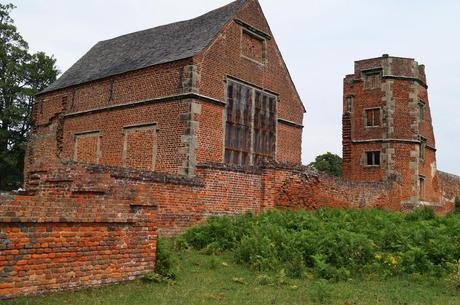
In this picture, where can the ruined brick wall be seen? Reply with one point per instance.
(306, 188)
(450, 186)
(76, 231)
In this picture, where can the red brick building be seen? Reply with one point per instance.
(211, 89)
(157, 130)
(387, 128)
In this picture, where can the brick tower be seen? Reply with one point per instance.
(387, 129)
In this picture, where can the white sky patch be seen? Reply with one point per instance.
(319, 40)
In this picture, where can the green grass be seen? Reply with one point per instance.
(336, 257)
(217, 280)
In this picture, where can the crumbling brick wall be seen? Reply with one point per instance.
(76, 230)
(450, 188)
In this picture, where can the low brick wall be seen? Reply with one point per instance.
(85, 225)
(309, 189)
(450, 185)
(73, 234)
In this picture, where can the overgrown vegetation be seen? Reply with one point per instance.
(216, 279)
(335, 244)
(457, 204)
(329, 163)
(165, 269)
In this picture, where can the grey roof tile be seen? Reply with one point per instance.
(146, 48)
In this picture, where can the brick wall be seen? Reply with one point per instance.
(78, 230)
(450, 186)
(396, 88)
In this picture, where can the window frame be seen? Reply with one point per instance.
(366, 117)
(374, 159)
(421, 187)
(421, 110)
(87, 134)
(146, 126)
(422, 149)
(376, 81)
(349, 104)
(252, 153)
(262, 39)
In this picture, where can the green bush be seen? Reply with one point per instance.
(165, 264)
(457, 204)
(335, 244)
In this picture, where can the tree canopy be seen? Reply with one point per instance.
(329, 163)
(22, 75)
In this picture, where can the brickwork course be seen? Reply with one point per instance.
(154, 131)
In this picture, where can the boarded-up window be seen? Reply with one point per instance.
(140, 147)
(239, 114)
(372, 117)
(253, 47)
(372, 80)
(87, 148)
(264, 127)
(250, 133)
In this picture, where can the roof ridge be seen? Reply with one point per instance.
(176, 22)
(146, 48)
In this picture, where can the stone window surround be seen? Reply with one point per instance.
(421, 109)
(253, 87)
(87, 134)
(145, 126)
(369, 72)
(365, 110)
(258, 37)
(365, 163)
(422, 148)
(421, 187)
(349, 103)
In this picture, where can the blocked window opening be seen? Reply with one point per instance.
(421, 111)
(349, 104)
(250, 133)
(421, 194)
(87, 147)
(253, 46)
(373, 158)
(372, 117)
(372, 80)
(140, 147)
(422, 149)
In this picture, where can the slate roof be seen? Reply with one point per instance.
(146, 48)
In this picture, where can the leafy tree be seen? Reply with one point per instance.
(329, 163)
(22, 75)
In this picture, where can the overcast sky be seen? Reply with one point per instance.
(319, 41)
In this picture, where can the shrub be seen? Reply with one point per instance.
(455, 277)
(457, 204)
(335, 244)
(165, 264)
(321, 292)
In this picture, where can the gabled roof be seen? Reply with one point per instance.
(147, 48)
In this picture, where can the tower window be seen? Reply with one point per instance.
(421, 111)
(422, 149)
(421, 190)
(372, 80)
(373, 158)
(349, 103)
(372, 117)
